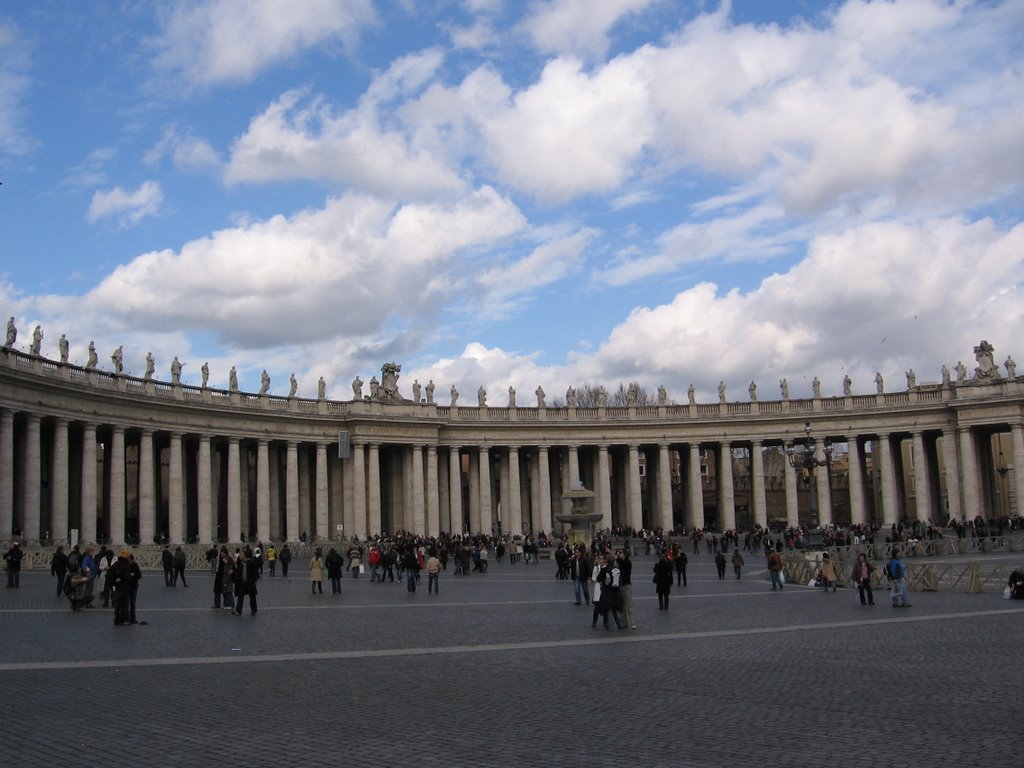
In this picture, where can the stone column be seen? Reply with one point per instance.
(31, 466)
(117, 488)
(358, 524)
(204, 492)
(973, 505)
(263, 532)
(696, 488)
(1017, 437)
(604, 486)
(486, 510)
(890, 513)
(822, 485)
(234, 495)
(635, 518)
(501, 512)
(664, 488)
(291, 492)
(433, 501)
(792, 497)
(59, 485)
(858, 510)
(454, 490)
(322, 503)
(726, 492)
(175, 492)
(951, 472)
(758, 500)
(574, 464)
(512, 505)
(419, 516)
(6, 475)
(373, 490)
(544, 490)
(87, 514)
(922, 484)
(147, 488)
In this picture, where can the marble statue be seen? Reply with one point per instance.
(388, 390)
(37, 341)
(118, 359)
(570, 397)
(662, 395)
(455, 395)
(374, 388)
(784, 388)
(321, 389)
(415, 390)
(816, 388)
(911, 379)
(94, 359)
(879, 382)
(264, 382)
(691, 394)
(176, 370)
(293, 385)
(430, 392)
(945, 375)
(511, 396)
(987, 370)
(1011, 368)
(481, 397)
(602, 397)
(632, 395)
(847, 385)
(752, 391)
(205, 371)
(64, 346)
(961, 372)
(12, 333)
(150, 366)
(233, 380)
(539, 392)
(357, 388)
(721, 391)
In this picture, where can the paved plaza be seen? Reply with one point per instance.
(502, 669)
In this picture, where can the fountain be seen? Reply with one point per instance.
(579, 519)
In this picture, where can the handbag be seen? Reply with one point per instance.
(1007, 592)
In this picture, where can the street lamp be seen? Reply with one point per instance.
(804, 457)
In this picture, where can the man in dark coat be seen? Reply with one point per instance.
(13, 558)
(123, 577)
(59, 568)
(246, 575)
(167, 559)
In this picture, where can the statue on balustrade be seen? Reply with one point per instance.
(293, 385)
(264, 382)
(816, 388)
(374, 388)
(721, 391)
(1011, 368)
(150, 366)
(632, 395)
(176, 365)
(602, 397)
(961, 372)
(12, 333)
(662, 395)
(37, 341)
(321, 389)
(64, 347)
(511, 396)
(539, 392)
(118, 359)
(911, 379)
(987, 370)
(357, 388)
(945, 375)
(752, 391)
(94, 359)
(205, 371)
(481, 397)
(847, 385)
(455, 395)
(570, 397)
(430, 392)
(416, 390)
(691, 394)
(233, 380)
(784, 388)
(388, 390)
(879, 382)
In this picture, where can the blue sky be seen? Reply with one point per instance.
(516, 193)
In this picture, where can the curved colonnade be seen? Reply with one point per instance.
(198, 464)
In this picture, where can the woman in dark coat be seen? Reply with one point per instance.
(663, 581)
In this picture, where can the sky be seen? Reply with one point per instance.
(495, 193)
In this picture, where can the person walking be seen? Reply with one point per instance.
(737, 562)
(285, 557)
(680, 561)
(316, 572)
(13, 558)
(180, 563)
(720, 564)
(335, 565)
(827, 573)
(271, 559)
(775, 568)
(896, 572)
(167, 560)
(411, 566)
(433, 572)
(246, 576)
(59, 568)
(663, 581)
(861, 576)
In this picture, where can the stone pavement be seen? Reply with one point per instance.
(502, 669)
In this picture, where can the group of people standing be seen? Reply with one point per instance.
(235, 579)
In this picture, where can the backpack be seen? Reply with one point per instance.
(73, 562)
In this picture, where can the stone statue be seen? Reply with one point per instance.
(321, 389)
(430, 392)
(93, 357)
(752, 390)
(632, 395)
(374, 388)
(784, 388)
(721, 391)
(415, 390)
(37, 341)
(455, 395)
(987, 370)
(602, 397)
(961, 372)
(12, 333)
(911, 379)
(879, 382)
(570, 397)
(539, 392)
(233, 380)
(847, 385)
(118, 359)
(481, 397)
(150, 366)
(357, 388)
(176, 370)
(816, 388)
(945, 375)
(662, 395)
(511, 396)
(264, 382)
(388, 391)
(293, 385)
(691, 394)
(205, 371)
(1011, 368)
(63, 345)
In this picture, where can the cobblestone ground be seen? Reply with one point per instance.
(502, 669)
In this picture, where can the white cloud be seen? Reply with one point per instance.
(544, 265)
(577, 27)
(187, 151)
(129, 208)
(15, 83)
(230, 41)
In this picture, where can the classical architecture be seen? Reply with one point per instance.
(110, 457)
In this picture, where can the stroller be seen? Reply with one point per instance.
(78, 588)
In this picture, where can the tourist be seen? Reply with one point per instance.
(600, 608)
(246, 576)
(335, 564)
(663, 581)
(625, 565)
(433, 571)
(59, 568)
(103, 564)
(581, 572)
(896, 572)
(679, 561)
(411, 566)
(123, 578)
(775, 568)
(720, 564)
(355, 560)
(180, 562)
(271, 559)
(257, 555)
(285, 557)
(316, 572)
(737, 562)
(224, 580)
(827, 576)
(167, 559)
(861, 576)
(13, 558)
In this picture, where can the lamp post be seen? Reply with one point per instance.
(804, 457)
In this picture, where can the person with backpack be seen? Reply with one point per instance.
(896, 572)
